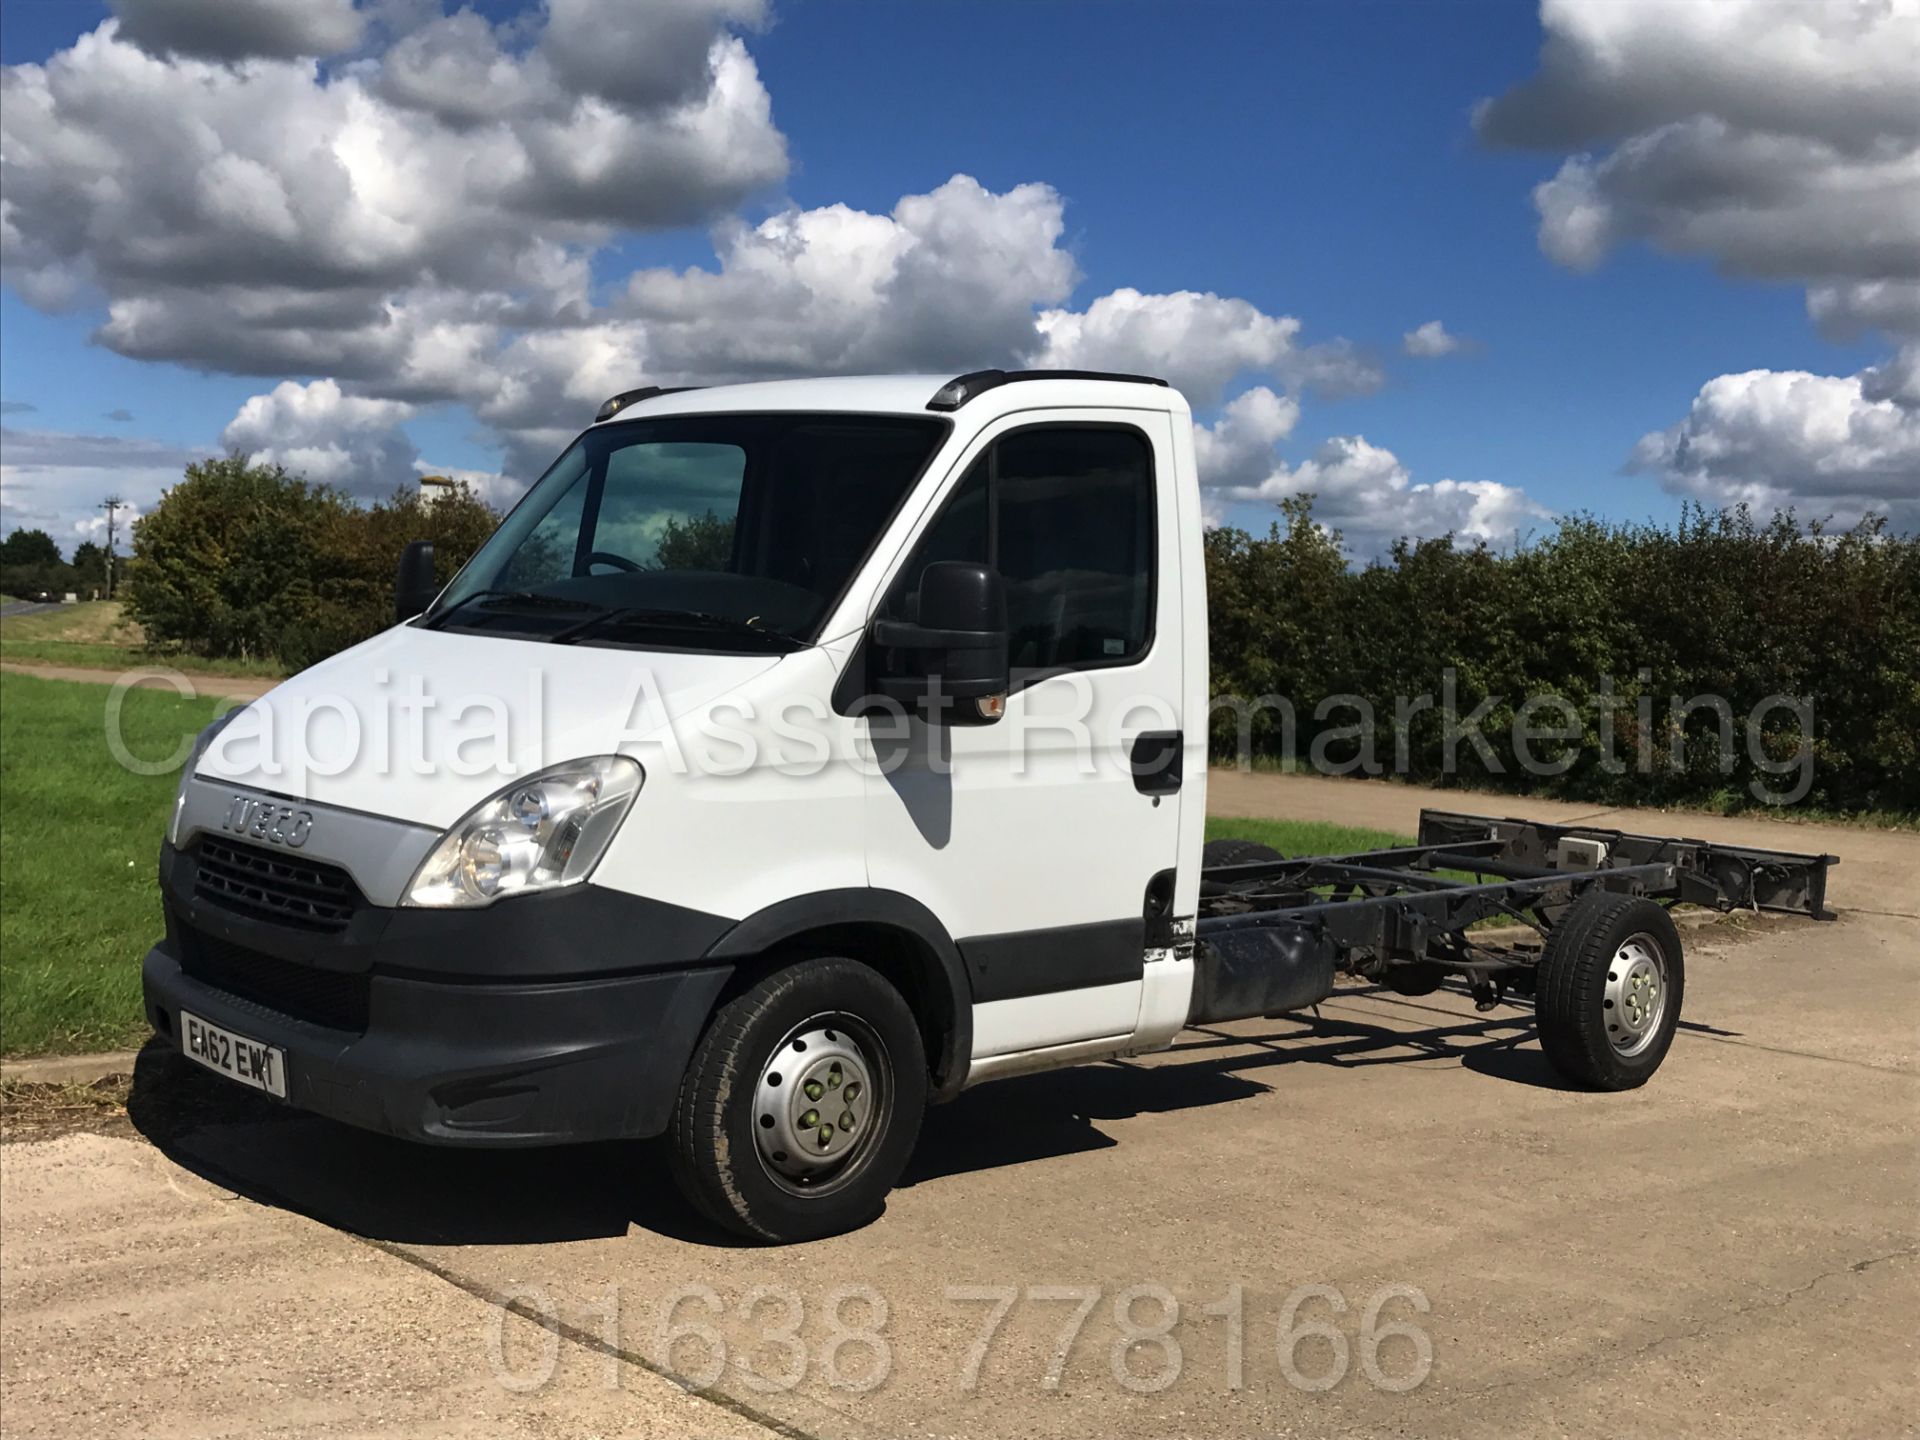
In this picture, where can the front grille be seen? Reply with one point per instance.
(271, 886)
(333, 998)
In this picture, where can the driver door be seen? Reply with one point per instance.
(1030, 838)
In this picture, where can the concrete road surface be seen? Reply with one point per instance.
(1387, 1220)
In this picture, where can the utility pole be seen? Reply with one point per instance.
(110, 504)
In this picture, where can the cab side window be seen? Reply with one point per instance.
(1065, 513)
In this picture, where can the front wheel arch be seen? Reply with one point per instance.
(893, 934)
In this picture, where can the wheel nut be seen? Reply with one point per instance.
(846, 1119)
(810, 1119)
(826, 1136)
(814, 1089)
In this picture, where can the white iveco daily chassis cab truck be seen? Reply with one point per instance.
(796, 755)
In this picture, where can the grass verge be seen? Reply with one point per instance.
(79, 894)
(98, 636)
(1303, 837)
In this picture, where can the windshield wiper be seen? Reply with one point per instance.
(500, 599)
(655, 619)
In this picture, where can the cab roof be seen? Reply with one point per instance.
(987, 391)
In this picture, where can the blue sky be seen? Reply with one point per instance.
(1315, 159)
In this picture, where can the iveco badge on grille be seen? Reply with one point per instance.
(267, 820)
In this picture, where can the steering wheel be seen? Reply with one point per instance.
(619, 562)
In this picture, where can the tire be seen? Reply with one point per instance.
(1609, 989)
(741, 1102)
(1236, 852)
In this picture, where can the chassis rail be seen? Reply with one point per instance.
(1271, 935)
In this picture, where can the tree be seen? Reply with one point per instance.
(247, 560)
(30, 564)
(90, 566)
(703, 542)
(29, 547)
(231, 558)
(362, 547)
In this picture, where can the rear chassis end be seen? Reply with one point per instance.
(1272, 936)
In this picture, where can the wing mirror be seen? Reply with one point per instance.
(413, 585)
(950, 662)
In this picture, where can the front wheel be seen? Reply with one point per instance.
(1608, 991)
(801, 1104)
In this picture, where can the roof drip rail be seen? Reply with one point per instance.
(962, 388)
(617, 403)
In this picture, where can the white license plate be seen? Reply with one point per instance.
(264, 1067)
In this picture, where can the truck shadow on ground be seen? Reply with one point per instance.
(399, 1192)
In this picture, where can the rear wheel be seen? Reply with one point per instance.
(1608, 990)
(801, 1104)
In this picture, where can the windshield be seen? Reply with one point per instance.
(695, 531)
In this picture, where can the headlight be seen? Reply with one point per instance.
(200, 743)
(539, 833)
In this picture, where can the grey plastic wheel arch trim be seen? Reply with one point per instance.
(879, 910)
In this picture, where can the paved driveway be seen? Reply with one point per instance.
(1729, 1251)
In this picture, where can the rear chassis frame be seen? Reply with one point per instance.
(1271, 936)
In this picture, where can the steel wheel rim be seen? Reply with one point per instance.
(1635, 1000)
(811, 1134)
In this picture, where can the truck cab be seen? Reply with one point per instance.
(793, 756)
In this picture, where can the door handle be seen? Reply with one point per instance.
(1155, 761)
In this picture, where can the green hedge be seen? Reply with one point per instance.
(246, 561)
(1770, 622)
(1719, 605)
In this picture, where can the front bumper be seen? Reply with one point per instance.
(544, 1020)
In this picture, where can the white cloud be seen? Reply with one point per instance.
(94, 528)
(1829, 444)
(54, 481)
(417, 223)
(1199, 342)
(325, 212)
(455, 68)
(1430, 341)
(1848, 310)
(602, 164)
(547, 384)
(1360, 489)
(639, 57)
(495, 489)
(327, 436)
(1781, 139)
(1235, 453)
(1769, 206)
(1897, 380)
(241, 29)
(948, 280)
(1611, 68)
